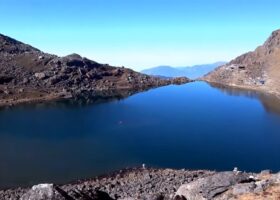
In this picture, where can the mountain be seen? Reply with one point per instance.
(28, 74)
(258, 70)
(192, 72)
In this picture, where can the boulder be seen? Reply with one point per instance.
(41, 57)
(243, 188)
(25, 80)
(40, 192)
(211, 186)
(5, 79)
(75, 63)
(73, 60)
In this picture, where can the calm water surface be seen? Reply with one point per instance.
(192, 126)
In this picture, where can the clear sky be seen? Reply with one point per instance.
(142, 33)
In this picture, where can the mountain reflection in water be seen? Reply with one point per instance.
(271, 103)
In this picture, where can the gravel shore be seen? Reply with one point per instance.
(135, 183)
(158, 184)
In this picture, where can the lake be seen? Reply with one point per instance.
(192, 126)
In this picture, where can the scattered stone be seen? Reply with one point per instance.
(7, 92)
(40, 75)
(25, 80)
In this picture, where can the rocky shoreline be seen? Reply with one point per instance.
(244, 88)
(158, 184)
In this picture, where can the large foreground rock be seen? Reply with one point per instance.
(51, 192)
(210, 187)
(40, 192)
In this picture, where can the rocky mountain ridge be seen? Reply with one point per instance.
(192, 72)
(28, 74)
(258, 70)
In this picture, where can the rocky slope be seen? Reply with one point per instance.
(259, 70)
(28, 74)
(159, 184)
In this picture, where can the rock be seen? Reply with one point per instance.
(76, 63)
(235, 169)
(40, 75)
(53, 80)
(7, 92)
(100, 195)
(5, 79)
(40, 192)
(25, 80)
(276, 178)
(265, 172)
(209, 187)
(261, 185)
(243, 188)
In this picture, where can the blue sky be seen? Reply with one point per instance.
(142, 33)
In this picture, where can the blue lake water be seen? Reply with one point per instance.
(192, 126)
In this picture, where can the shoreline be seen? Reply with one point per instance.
(47, 98)
(55, 97)
(126, 177)
(86, 95)
(156, 184)
(243, 88)
(60, 96)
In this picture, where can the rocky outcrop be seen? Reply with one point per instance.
(258, 70)
(27, 74)
(39, 192)
(232, 185)
(159, 184)
(212, 186)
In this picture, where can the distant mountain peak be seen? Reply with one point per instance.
(74, 56)
(192, 72)
(273, 41)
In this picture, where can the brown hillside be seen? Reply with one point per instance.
(258, 70)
